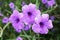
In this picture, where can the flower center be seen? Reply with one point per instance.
(29, 13)
(17, 20)
(41, 23)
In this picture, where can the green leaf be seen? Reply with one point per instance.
(34, 38)
(53, 8)
(1, 32)
(37, 4)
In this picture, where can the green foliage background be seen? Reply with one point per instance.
(10, 34)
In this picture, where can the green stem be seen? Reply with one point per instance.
(37, 4)
(6, 26)
(1, 34)
(18, 8)
(38, 36)
(4, 29)
(34, 38)
(26, 35)
(50, 9)
(0, 31)
(7, 11)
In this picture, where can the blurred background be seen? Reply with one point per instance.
(10, 34)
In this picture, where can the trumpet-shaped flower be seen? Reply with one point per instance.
(30, 13)
(16, 20)
(42, 24)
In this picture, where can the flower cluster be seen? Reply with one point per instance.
(48, 3)
(30, 17)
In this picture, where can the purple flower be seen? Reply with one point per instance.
(1, 3)
(27, 27)
(42, 24)
(1, 14)
(52, 18)
(30, 13)
(11, 5)
(50, 3)
(19, 38)
(16, 20)
(23, 3)
(44, 1)
(5, 20)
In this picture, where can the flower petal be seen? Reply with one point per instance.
(51, 3)
(49, 24)
(37, 18)
(36, 28)
(19, 38)
(25, 8)
(45, 17)
(43, 30)
(44, 1)
(32, 7)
